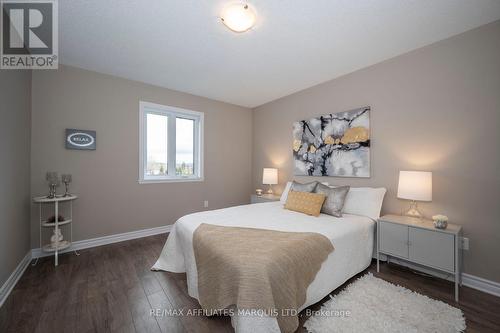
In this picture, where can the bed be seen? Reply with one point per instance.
(352, 237)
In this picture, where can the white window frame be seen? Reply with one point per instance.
(172, 113)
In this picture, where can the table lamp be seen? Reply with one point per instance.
(415, 186)
(270, 177)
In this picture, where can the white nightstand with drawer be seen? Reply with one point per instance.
(417, 241)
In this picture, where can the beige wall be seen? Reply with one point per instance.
(437, 109)
(15, 90)
(111, 200)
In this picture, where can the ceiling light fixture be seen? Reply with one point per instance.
(238, 17)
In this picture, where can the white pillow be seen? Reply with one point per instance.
(366, 201)
(284, 195)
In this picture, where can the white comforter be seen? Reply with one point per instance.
(351, 235)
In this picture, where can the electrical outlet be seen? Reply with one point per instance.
(205, 203)
(465, 243)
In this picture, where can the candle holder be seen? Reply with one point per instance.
(53, 180)
(66, 179)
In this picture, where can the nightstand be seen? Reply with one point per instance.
(264, 198)
(416, 240)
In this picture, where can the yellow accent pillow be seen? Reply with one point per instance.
(305, 202)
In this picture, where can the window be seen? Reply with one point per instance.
(171, 144)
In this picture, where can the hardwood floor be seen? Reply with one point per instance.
(111, 289)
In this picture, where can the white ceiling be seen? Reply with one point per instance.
(181, 45)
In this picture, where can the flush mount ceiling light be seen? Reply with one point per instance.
(238, 17)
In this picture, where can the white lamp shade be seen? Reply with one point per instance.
(415, 185)
(270, 176)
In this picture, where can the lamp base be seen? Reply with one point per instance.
(270, 190)
(413, 211)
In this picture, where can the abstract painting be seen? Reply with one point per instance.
(335, 144)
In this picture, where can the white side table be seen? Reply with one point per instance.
(59, 246)
(264, 198)
(418, 241)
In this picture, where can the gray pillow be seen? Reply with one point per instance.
(335, 198)
(308, 187)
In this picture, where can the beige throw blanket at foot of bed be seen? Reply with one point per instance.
(257, 269)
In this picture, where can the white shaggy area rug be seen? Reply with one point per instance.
(371, 304)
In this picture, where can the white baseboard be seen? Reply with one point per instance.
(468, 280)
(93, 242)
(487, 286)
(14, 277)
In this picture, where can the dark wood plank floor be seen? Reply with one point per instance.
(111, 289)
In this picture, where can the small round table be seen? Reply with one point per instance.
(44, 223)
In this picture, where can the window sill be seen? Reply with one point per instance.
(171, 180)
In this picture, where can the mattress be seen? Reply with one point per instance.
(351, 235)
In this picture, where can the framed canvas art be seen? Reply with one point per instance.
(335, 145)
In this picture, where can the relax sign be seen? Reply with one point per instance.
(80, 139)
